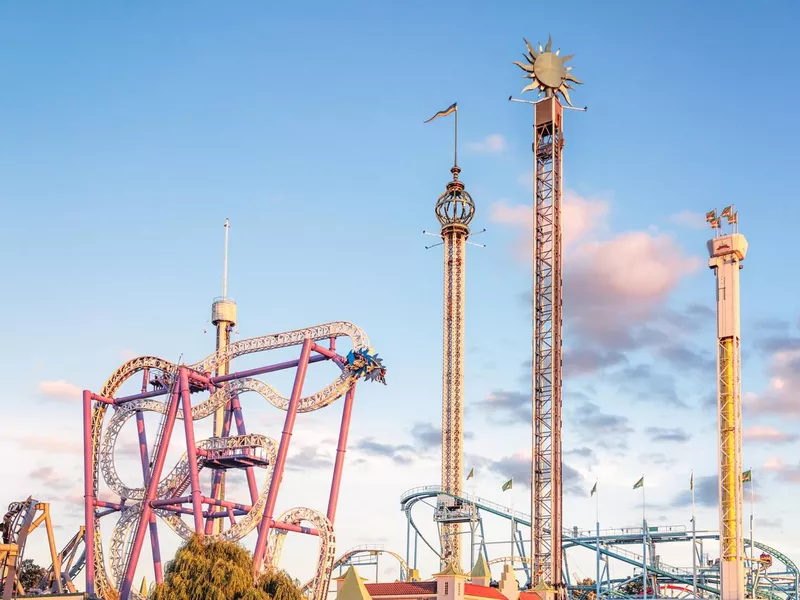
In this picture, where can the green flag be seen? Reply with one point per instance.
(594, 489)
(639, 483)
(747, 476)
(507, 484)
(471, 473)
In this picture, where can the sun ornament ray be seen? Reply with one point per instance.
(548, 71)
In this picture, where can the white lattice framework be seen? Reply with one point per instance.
(546, 492)
(172, 484)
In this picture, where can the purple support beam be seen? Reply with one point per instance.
(154, 545)
(280, 462)
(88, 490)
(191, 451)
(344, 430)
(216, 482)
(236, 407)
(150, 494)
(215, 381)
(112, 505)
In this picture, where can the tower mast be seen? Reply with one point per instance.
(223, 316)
(550, 76)
(726, 255)
(454, 211)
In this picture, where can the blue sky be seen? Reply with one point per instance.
(129, 133)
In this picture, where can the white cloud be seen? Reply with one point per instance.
(688, 218)
(59, 389)
(490, 144)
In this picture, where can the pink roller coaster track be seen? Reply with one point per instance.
(164, 495)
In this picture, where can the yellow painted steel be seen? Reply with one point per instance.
(729, 473)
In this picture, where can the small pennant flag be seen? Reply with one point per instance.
(471, 473)
(639, 483)
(691, 481)
(594, 489)
(507, 485)
(747, 476)
(443, 113)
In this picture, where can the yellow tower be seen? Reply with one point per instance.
(726, 255)
(223, 317)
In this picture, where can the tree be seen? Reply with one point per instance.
(278, 585)
(217, 570)
(30, 574)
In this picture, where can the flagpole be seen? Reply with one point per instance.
(644, 545)
(752, 526)
(455, 146)
(694, 542)
(597, 541)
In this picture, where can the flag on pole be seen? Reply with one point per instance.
(691, 481)
(594, 489)
(747, 476)
(726, 212)
(471, 473)
(443, 113)
(711, 216)
(639, 483)
(733, 218)
(507, 485)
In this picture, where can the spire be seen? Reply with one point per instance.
(352, 587)
(225, 263)
(143, 588)
(481, 569)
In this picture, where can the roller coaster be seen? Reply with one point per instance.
(21, 519)
(773, 575)
(163, 497)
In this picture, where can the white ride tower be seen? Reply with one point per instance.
(727, 253)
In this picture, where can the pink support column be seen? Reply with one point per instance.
(280, 462)
(150, 493)
(191, 452)
(344, 430)
(88, 490)
(154, 545)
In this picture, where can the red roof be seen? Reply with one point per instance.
(428, 588)
(470, 589)
(402, 588)
(529, 596)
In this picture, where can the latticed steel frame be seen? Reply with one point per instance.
(455, 238)
(546, 491)
(730, 449)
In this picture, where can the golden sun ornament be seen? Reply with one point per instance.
(548, 70)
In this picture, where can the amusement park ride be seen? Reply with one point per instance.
(189, 393)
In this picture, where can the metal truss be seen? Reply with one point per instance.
(546, 496)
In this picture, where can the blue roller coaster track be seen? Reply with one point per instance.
(778, 579)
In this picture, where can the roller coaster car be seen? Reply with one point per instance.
(453, 510)
(766, 559)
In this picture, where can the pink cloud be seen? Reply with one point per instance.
(612, 282)
(59, 389)
(761, 433)
(779, 396)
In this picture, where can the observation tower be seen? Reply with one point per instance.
(455, 211)
(223, 317)
(551, 77)
(727, 251)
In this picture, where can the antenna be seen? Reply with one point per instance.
(225, 263)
